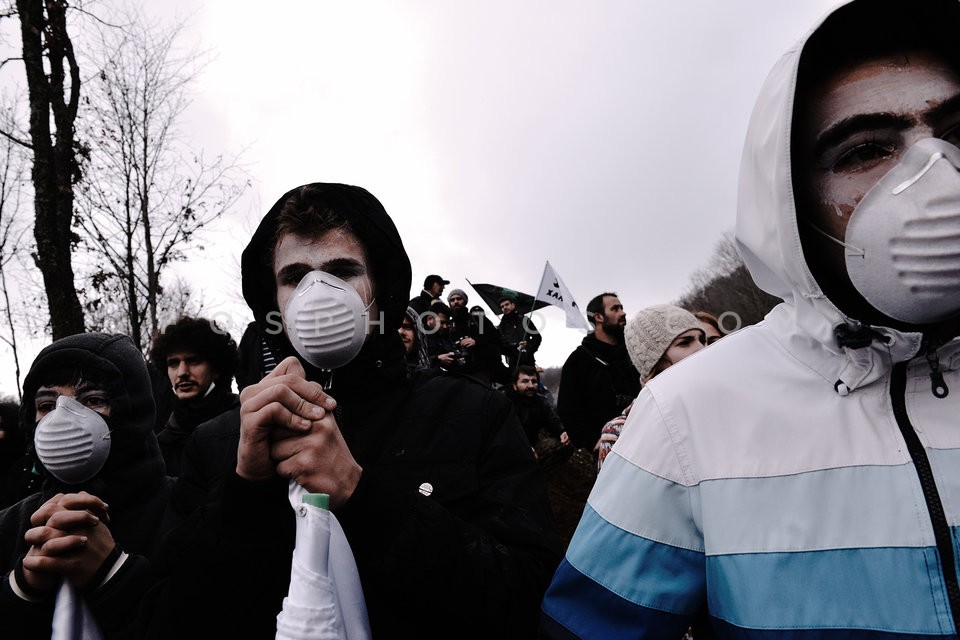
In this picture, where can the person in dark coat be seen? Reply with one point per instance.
(476, 340)
(432, 288)
(539, 419)
(18, 474)
(440, 345)
(429, 473)
(519, 338)
(96, 520)
(200, 359)
(597, 381)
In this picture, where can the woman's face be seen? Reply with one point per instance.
(685, 344)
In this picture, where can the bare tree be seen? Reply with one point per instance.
(12, 171)
(725, 286)
(110, 315)
(53, 86)
(146, 193)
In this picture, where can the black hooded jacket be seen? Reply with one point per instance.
(450, 524)
(597, 382)
(132, 482)
(185, 417)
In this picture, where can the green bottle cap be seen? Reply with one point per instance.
(321, 500)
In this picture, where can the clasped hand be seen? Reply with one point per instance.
(69, 540)
(287, 427)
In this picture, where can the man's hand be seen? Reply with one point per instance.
(564, 438)
(319, 460)
(284, 399)
(69, 540)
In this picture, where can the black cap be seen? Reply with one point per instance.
(431, 279)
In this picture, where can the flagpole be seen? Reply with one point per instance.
(539, 288)
(533, 306)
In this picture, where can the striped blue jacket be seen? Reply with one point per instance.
(783, 518)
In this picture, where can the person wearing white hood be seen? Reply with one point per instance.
(810, 488)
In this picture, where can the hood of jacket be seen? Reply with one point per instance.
(767, 230)
(390, 267)
(419, 358)
(134, 466)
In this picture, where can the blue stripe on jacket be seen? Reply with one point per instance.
(841, 589)
(600, 614)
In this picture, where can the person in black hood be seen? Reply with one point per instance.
(88, 416)
(428, 473)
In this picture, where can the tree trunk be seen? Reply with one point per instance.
(55, 166)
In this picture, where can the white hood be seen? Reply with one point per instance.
(768, 239)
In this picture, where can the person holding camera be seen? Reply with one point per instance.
(476, 341)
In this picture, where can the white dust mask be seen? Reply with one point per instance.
(325, 320)
(903, 240)
(72, 441)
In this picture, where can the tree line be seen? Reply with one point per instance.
(95, 149)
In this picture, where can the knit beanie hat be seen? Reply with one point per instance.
(649, 333)
(457, 292)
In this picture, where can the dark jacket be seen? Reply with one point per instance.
(184, 419)
(18, 476)
(482, 360)
(421, 302)
(535, 414)
(597, 382)
(512, 332)
(132, 483)
(449, 525)
(439, 343)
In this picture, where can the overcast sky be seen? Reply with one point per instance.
(602, 136)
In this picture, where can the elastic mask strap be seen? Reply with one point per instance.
(909, 182)
(851, 250)
(326, 379)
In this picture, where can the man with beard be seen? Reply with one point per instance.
(597, 380)
(477, 341)
(536, 414)
(519, 338)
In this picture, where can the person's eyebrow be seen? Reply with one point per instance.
(945, 108)
(300, 269)
(44, 395)
(840, 131)
(87, 387)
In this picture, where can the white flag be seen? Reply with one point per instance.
(553, 291)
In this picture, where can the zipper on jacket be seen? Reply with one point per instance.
(937, 384)
(941, 530)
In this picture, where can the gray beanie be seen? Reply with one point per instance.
(649, 333)
(454, 292)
